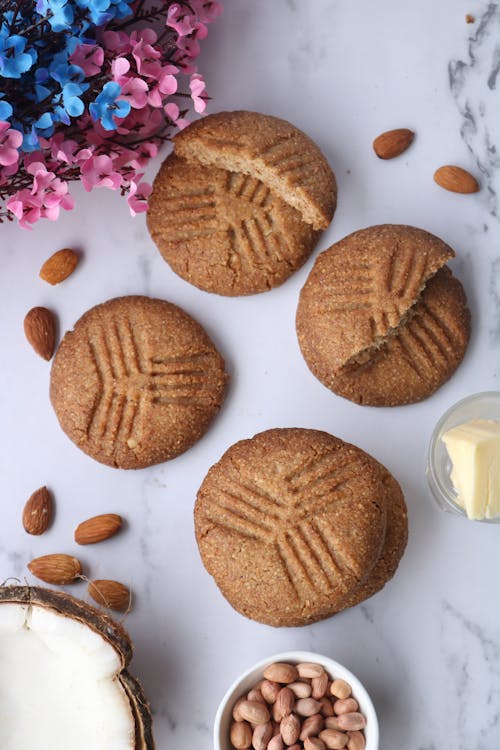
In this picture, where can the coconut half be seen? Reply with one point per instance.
(63, 677)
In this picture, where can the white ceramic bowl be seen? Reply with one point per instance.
(248, 679)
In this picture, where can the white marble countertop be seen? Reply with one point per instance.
(428, 646)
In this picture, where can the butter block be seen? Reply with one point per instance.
(474, 450)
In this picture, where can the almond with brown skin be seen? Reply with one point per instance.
(98, 528)
(56, 569)
(456, 179)
(40, 330)
(59, 266)
(111, 594)
(392, 143)
(38, 511)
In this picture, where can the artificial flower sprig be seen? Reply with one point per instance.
(89, 90)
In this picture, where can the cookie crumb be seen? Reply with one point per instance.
(469, 18)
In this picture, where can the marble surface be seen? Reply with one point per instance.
(428, 646)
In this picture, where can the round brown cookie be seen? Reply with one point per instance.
(269, 149)
(136, 382)
(238, 207)
(223, 231)
(379, 320)
(289, 523)
(396, 537)
(419, 357)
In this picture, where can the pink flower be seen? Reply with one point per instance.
(138, 195)
(179, 19)
(135, 91)
(89, 57)
(119, 69)
(173, 114)
(10, 142)
(97, 171)
(24, 208)
(198, 92)
(116, 41)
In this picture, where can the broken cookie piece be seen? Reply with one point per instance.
(381, 319)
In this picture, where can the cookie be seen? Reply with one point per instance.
(292, 523)
(136, 382)
(380, 320)
(239, 205)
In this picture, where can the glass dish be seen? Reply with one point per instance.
(484, 405)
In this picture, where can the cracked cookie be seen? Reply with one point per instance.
(238, 206)
(136, 382)
(381, 320)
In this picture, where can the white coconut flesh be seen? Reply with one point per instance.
(59, 685)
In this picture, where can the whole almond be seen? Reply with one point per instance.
(308, 669)
(240, 735)
(312, 726)
(290, 729)
(345, 706)
(301, 689)
(40, 331)
(326, 706)
(284, 704)
(319, 685)
(98, 528)
(261, 735)
(59, 266)
(269, 690)
(351, 721)
(111, 594)
(392, 143)
(333, 739)
(307, 707)
(254, 712)
(281, 672)
(56, 569)
(356, 741)
(38, 511)
(456, 179)
(340, 689)
(313, 743)
(276, 743)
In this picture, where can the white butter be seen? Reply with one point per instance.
(474, 450)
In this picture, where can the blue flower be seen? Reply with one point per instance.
(71, 98)
(106, 106)
(44, 126)
(14, 61)
(30, 139)
(5, 109)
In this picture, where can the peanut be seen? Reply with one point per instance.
(352, 721)
(307, 707)
(240, 735)
(345, 706)
(313, 743)
(333, 739)
(326, 706)
(279, 672)
(236, 710)
(284, 704)
(269, 691)
(254, 712)
(300, 689)
(276, 743)
(261, 736)
(332, 722)
(255, 695)
(312, 726)
(308, 669)
(340, 689)
(290, 729)
(356, 741)
(319, 685)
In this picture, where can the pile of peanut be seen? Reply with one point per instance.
(298, 706)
